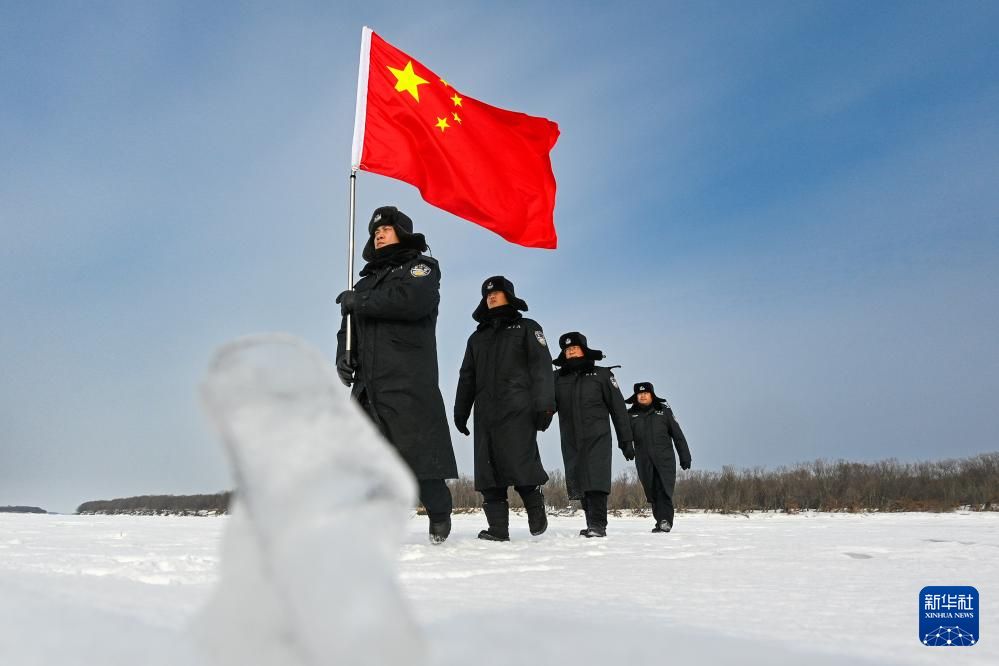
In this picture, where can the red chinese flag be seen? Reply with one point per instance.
(484, 164)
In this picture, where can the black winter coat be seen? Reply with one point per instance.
(506, 375)
(395, 345)
(656, 432)
(585, 399)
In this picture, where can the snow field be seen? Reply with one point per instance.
(829, 588)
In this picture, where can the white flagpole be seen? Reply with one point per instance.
(355, 161)
(350, 261)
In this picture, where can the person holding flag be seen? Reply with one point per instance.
(391, 362)
(485, 164)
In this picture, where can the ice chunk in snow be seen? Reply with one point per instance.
(309, 559)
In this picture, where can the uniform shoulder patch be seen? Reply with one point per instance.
(420, 270)
(613, 381)
(541, 338)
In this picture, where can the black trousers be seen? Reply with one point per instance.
(435, 497)
(662, 499)
(500, 494)
(595, 506)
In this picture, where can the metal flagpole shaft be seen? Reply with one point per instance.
(350, 260)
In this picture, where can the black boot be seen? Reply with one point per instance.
(596, 514)
(436, 498)
(498, 516)
(440, 531)
(537, 518)
(586, 512)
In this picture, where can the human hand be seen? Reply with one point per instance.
(347, 300)
(628, 449)
(345, 370)
(542, 420)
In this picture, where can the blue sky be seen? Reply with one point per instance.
(786, 215)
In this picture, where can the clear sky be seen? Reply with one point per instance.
(785, 214)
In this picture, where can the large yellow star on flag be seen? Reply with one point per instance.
(407, 80)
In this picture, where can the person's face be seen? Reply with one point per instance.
(644, 398)
(574, 351)
(385, 235)
(494, 299)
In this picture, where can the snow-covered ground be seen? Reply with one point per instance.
(720, 589)
(319, 566)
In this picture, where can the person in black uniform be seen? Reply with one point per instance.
(585, 395)
(506, 375)
(393, 364)
(657, 432)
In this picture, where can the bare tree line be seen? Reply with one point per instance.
(21, 509)
(216, 503)
(885, 485)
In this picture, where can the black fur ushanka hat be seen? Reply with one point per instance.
(645, 387)
(403, 229)
(498, 283)
(576, 338)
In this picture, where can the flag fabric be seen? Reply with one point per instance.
(487, 165)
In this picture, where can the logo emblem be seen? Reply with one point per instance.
(489, 285)
(377, 217)
(541, 338)
(948, 616)
(420, 270)
(642, 388)
(567, 341)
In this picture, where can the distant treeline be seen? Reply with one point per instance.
(886, 485)
(21, 509)
(161, 505)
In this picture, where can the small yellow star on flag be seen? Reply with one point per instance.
(406, 79)
(442, 123)
(457, 118)
(456, 100)
(446, 84)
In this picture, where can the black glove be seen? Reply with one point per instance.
(462, 425)
(348, 301)
(346, 370)
(684, 464)
(542, 420)
(628, 449)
